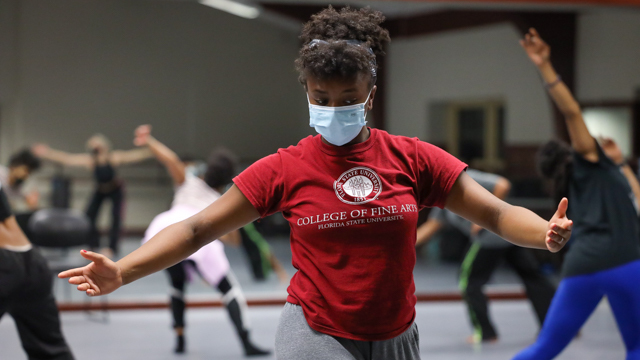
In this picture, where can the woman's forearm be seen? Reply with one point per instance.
(170, 246)
(427, 230)
(559, 92)
(581, 139)
(522, 227)
(513, 223)
(168, 158)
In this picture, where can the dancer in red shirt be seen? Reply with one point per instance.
(351, 196)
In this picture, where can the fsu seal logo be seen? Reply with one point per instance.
(358, 186)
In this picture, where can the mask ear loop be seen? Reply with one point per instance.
(365, 104)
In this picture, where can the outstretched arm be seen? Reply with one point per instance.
(277, 267)
(539, 53)
(427, 230)
(170, 246)
(166, 156)
(500, 190)
(43, 151)
(513, 223)
(124, 157)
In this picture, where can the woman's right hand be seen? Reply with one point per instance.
(142, 135)
(102, 276)
(40, 149)
(538, 51)
(612, 150)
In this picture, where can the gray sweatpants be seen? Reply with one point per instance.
(295, 340)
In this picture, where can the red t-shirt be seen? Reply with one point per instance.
(353, 212)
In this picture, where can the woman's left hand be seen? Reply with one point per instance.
(560, 226)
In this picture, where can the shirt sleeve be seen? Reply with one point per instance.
(437, 172)
(263, 184)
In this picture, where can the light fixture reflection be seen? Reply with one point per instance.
(232, 7)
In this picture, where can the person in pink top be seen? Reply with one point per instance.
(192, 195)
(351, 196)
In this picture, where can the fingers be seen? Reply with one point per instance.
(553, 246)
(84, 287)
(95, 257)
(554, 241)
(85, 284)
(77, 280)
(534, 32)
(563, 230)
(554, 236)
(70, 273)
(562, 208)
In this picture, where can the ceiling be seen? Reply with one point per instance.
(395, 9)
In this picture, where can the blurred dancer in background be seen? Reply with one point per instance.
(192, 195)
(103, 162)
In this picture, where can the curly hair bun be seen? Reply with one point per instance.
(348, 24)
(335, 57)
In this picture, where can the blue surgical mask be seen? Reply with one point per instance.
(338, 125)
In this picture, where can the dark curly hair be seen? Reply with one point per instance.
(221, 168)
(25, 157)
(555, 163)
(348, 35)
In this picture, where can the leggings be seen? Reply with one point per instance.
(117, 200)
(232, 298)
(477, 268)
(575, 300)
(257, 250)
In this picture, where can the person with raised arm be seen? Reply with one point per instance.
(192, 195)
(604, 258)
(351, 196)
(102, 161)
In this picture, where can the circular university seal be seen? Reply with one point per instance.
(358, 186)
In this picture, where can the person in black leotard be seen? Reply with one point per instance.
(103, 161)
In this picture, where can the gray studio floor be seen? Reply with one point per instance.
(146, 334)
